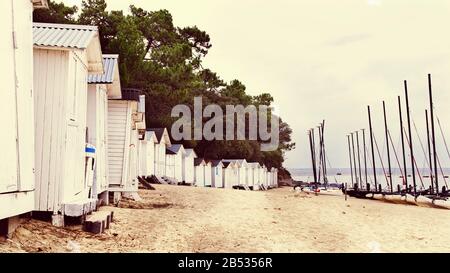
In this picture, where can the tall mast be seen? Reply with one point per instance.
(313, 135)
(354, 159)
(372, 148)
(411, 150)
(429, 152)
(405, 172)
(432, 134)
(350, 157)
(359, 159)
(319, 170)
(311, 146)
(325, 178)
(365, 155)
(387, 147)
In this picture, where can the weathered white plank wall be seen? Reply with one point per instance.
(131, 183)
(189, 168)
(143, 171)
(97, 116)
(118, 119)
(208, 178)
(170, 165)
(150, 161)
(160, 158)
(60, 85)
(199, 172)
(216, 174)
(178, 166)
(16, 109)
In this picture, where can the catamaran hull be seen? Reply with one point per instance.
(369, 195)
(444, 204)
(324, 192)
(410, 199)
(423, 201)
(395, 198)
(378, 196)
(330, 192)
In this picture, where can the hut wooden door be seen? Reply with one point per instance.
(74, 181)
(8, 108)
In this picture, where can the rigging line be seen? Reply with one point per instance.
(443, 137)
(414, 160)
(421, 145)
(331, 167)
(399, 147)
(321, 174)
(395, 153)
(320, 154)
(370, 164)
(382, 165)
(442, 172)
(439, 163)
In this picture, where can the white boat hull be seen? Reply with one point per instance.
(378, 196)
(410, 199)
(444, 204)
(369, 195)
(395, 198)
(423, 201)
(331, 192)
(324, 192)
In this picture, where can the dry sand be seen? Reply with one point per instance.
(188, 219)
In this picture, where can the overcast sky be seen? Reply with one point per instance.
(327, 59)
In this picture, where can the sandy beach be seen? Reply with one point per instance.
(188, 219)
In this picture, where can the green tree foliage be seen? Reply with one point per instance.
(57, 13)
(166, 62)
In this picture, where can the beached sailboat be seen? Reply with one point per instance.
(320, 185)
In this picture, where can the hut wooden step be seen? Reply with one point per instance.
(98, 221)
(79, 208)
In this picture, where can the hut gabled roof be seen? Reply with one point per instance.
(67, 37)
(177, 148)
(199, 161)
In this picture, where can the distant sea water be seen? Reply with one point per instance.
(306, 175)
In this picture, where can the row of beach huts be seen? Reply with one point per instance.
(72, 138)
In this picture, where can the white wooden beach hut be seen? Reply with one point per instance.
(17, 182)
(262, 174)
(242, 171)
(142, 156)
(142, 134)
(64, 55)
(251, 173)
(175, 157)
(270, 178)
(267, 177)
(216, 173)
(163, 139)
(199, 172)
(229, 174)
(148, 150)
(275, 177)
(208, 173)
(101, 87)
(188, 170)
(255, 175)
(126, 126)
